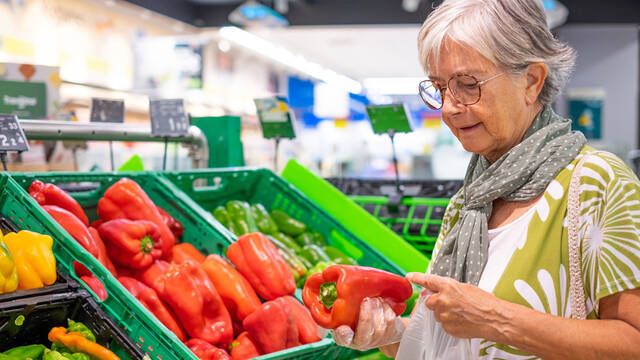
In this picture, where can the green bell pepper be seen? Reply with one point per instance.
(222, 215)
(82, 329)
(287, 224)
(305, 239)
(25, 352)
(287, 242)
(240, 215)
(338, 256)
(314, 254)
(263, 220)
(318, 239)
(54, 355)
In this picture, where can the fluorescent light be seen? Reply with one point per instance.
(287, 58)
(393, 85)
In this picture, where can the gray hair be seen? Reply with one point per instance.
(510, 33)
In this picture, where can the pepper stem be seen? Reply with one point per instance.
(146, 244)
(328, 294)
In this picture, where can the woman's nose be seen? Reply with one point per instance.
(450, 105)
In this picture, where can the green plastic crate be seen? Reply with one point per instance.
(355, 218)
(147, 332)
(264, 187)
(417, 220)
(201, 230)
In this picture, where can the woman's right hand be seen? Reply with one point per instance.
(378, 325)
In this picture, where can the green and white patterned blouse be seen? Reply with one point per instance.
(532, 269)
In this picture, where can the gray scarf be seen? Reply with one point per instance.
(521, 174)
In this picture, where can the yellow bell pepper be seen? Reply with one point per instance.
(34, 259)
(8, 272)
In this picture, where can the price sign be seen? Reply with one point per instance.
(386, 118)
(106, 110)
(168, 118)
(275, 118)
(11, 135)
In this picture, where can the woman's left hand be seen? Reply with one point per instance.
(464, 310)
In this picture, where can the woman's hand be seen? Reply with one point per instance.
(378, 325)
(465, 311)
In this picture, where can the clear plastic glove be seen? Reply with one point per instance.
(378, 325)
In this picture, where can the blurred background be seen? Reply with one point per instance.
(328, 58)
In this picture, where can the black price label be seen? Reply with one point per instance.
(11, 135)
(168, 118)
(107, 111)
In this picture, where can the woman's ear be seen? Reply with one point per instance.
(536, 74)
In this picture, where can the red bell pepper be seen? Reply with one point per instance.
(103, 257)
(205, 351)
(307, 327)
(174, 225)
(96, 285)
(126, 200)
(49, 194)
(236, 292)
(82, 235)
(134, 244)
(150, 300)
(243, 348)
(183, 252)
(334, 295)
(192, 296)
(272, 327)
(152, 274)
(260, 262)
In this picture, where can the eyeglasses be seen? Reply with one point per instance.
(464, 88)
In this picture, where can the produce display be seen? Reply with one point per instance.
(219, 307)
(304, 250)
(75, 342)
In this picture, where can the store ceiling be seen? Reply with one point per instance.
(214, 13)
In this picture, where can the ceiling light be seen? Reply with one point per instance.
(287, 58)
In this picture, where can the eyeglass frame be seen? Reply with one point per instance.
(478, 84)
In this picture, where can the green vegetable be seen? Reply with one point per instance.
(222, 215)
(287, 224)
(319, 267)
(25, 352)
(77, 356)
(263, 220)
(297, 267)
(287, 242)
(318, 239)
(240, 215)
(54, 355)
(81, 328)
(314, 254)
(338, 256)
(305, 239)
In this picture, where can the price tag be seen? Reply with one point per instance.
(11, 135)
(168, 118)
(386, 118)
(107, 110)
(275, 118)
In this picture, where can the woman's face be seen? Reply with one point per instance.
(499, 120)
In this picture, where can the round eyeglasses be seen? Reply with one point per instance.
(464, 88)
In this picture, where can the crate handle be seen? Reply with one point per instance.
(206, 184)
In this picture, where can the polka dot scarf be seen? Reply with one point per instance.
(521, 174)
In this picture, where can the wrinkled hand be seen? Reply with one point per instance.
(464, 310)
(378, 325)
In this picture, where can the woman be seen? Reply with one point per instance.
(499, 275)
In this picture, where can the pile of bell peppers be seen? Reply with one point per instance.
(26, 261)
(218, 307)
(305, 251)
(75, 342)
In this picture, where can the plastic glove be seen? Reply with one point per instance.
(378, 325)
